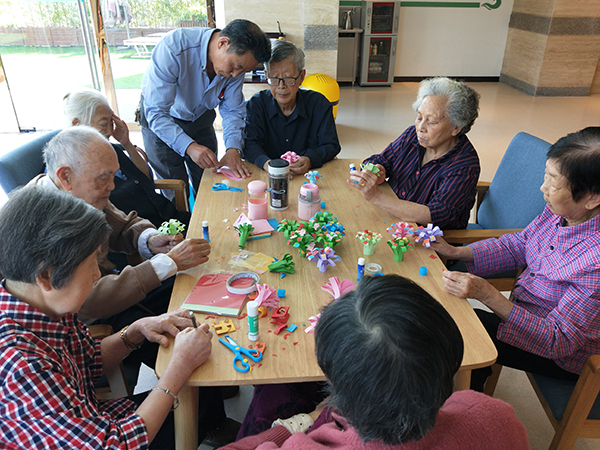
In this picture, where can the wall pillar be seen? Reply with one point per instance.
(553, 47)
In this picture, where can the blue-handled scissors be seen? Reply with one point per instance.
(224, 187)
(240, 354)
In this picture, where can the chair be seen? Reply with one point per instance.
(24, 163)
(510, 202)
(117, 381)
(573, 407)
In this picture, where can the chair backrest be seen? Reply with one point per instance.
(514, 198)
(21, 165)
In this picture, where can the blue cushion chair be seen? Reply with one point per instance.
(24, 163)
(510, 202)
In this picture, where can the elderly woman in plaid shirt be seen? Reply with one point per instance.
(49, 243)
(553, 325)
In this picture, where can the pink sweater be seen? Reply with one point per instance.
(468, 420)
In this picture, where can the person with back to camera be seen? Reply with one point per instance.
(390, 352)
(286, 118)
(49, 244)
(134, 183)
(553, 325)
(192, 71)
(432, 167)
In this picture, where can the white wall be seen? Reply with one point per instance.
(452, 41)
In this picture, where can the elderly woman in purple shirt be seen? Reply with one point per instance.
(553, 325)
(432, 167)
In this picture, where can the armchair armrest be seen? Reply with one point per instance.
(482, 188)
(179, 187)
(469, 236)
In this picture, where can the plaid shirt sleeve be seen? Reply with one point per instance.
(42, 408)
(557, 298)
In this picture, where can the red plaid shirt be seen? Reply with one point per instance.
(47, 398)
(557, 307)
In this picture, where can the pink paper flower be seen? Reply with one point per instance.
(337, 288)
(266, 296)
(314, 320)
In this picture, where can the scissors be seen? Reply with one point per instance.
(241, 354)
(224, 187)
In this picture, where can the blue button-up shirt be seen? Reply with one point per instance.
(176, 85)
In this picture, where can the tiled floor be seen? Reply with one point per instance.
(369, 118)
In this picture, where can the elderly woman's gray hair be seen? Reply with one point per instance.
(282, 50)
(43, 229)
(71, 148)
(82, 105)
(462, 104)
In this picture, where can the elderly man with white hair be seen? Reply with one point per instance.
(81, 161)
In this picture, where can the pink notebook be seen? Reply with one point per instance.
(210, 295)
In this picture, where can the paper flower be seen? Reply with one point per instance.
(400, 246)
(266, 296)
(428, 234)
(369, 240)
(335, 227)
(400, 230)
(286, 265)
(173, 227)
(290, 157)
(243, 230)
(314, 320)
(324, 257)
(312, 176)
(329, 238)
(287, 227)
(323, 217)
(370, 167)
(337, 288)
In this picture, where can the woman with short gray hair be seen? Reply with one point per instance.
(432, 167)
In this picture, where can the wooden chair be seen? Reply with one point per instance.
(510, 202)
(573, 407)
(117, 381)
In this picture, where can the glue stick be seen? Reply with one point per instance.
(361, 269)
(205, 230)
(352, 167)
(252, 310)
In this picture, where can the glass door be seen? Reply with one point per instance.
(379, 59)
(47, 51)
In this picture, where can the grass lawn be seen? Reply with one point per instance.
(39, 77)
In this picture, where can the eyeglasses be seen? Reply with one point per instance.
(287, 81)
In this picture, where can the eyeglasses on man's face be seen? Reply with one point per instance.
(287, 81)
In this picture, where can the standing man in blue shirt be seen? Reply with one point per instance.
(192, 71)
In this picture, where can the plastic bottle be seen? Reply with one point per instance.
(252, 310)
(309, 201)
(360, 273)
(257, 200)
(279, 176)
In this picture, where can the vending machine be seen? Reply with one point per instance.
(379, 21)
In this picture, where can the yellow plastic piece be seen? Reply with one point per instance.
(325, 85)
(224, 327)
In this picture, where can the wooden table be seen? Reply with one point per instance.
(292, 359)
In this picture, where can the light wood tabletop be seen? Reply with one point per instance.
(290, 357)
